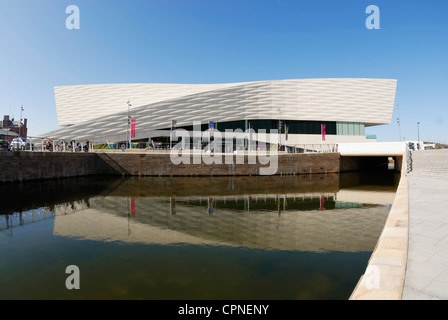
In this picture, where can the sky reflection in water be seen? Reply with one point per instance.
(306, 237)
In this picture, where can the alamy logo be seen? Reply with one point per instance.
(73, 21)
(373, 21)
(222, 150)
(372, 277)
(72, 281)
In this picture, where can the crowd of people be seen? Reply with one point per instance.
(72, 146)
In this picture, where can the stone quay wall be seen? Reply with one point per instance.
(160, 164)
(21, 166)
(24, 166)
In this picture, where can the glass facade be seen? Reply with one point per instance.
(350, 129)
(294, 127)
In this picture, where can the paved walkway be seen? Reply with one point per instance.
(426, 275)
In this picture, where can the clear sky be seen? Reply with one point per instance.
(219, 41)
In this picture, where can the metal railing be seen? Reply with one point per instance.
(48, 145)
(408, 160)
(224, 148)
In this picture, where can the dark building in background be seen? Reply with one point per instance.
(11, 129)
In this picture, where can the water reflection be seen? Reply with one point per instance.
(278, 224)
(304, 222)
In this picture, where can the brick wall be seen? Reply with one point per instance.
(160, 164)
(22, 166)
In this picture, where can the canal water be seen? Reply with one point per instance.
(265, 238)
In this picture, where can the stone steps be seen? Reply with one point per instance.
(430, 163)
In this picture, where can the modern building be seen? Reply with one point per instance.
(307, 111)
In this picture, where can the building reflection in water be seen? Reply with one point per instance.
(281, 213)
(271, 228)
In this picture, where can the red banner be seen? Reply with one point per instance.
(133, 206)
(323, 132)
(133, 128)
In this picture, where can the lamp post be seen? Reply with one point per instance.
(128, 135)
(20, 122)
(418, 135)
(279, 129)
(398, 121)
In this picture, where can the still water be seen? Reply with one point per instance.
(271, 238)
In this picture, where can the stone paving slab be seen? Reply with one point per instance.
(427, 267)
(410, 261)
(427, 270)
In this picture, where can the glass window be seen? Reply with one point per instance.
(350, 128)
(295, 127)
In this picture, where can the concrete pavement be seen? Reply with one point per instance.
(426, 275)
(410, 261)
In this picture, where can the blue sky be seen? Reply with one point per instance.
(219, 41)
